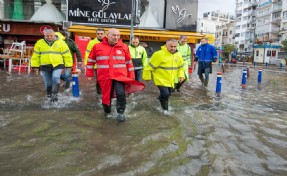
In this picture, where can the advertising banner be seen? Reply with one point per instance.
(117, 12)
(181, 14)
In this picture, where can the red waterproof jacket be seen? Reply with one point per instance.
(113, 63)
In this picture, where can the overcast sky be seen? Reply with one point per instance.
(213, 5)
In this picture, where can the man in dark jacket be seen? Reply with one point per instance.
(74, 50)
(205, 55)
(149, 49)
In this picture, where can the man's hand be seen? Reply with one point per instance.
(83, 66)
(180, 79)
(79, 65)
(36, 71)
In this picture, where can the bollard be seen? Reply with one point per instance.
(259, 75)
(248, 72)
(254, 63)
(190, 70)
(266, 64)
(218, 82)
(244, 76)
(281, 66)
(75, 84)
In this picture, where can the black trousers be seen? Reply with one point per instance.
(119, 89)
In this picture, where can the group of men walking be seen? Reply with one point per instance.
(119, 68)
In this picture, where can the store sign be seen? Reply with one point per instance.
(181, 14)
(5, 28)
(100, 11)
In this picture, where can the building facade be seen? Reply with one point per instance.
(217, 23)
(224, 34)
(245, 25)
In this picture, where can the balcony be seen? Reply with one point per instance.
(275, 30)
(275, 1)
(283, 30)
(277, 8)
(276, 20)
(263, 14)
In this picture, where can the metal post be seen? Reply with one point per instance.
(132, 20)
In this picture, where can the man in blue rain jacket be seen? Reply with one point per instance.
(205, 55)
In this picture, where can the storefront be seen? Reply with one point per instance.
(17, 31)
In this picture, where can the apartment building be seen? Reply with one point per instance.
(224, 34)
(283, 25)
(245, 25)
(210, 22)
(268, 21)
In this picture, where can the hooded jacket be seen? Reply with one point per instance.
(113, 63)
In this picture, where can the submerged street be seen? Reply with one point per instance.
(244, 132)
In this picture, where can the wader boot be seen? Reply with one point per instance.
(49, 92)
(107, 110)
(121, 106)
(55, 90)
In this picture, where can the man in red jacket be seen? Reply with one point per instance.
(115, 72)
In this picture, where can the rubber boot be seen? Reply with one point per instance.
(164, 105)
(49, 92)
(202, 79)
(67, 85)
(121, 106)
(99, 92)
(205, 83)
(55, 90)
(107, 110)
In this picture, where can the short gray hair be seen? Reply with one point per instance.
(171, 40)
(48, 31)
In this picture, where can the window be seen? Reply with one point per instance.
(268, 53)
(257, 53)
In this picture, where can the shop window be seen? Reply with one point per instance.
(268, 53)
(273, 53)
(25, 9)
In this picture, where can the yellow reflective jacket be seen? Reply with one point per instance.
(185, 52)
(139, 56)
(164, 67)
(89, 48)
(186, 55)
(56, 54)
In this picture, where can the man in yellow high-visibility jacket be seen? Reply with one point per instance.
(100, 35)
(164, 66)
(139, 57)
(51, 55)
(185, 51)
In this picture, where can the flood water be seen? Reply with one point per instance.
(244, 132)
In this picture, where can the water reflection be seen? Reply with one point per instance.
(241, 133)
